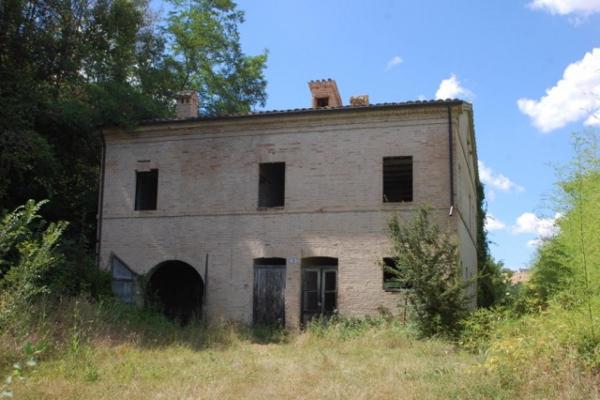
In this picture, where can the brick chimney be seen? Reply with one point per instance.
(187, 104)
(360, 100)
(325, 94)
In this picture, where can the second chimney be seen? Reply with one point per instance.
(360, 100)
(187, 104)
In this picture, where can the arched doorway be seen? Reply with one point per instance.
(177, 289)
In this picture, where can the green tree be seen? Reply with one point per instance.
(70, 67)
(492, 283)
(204, 38)
(426, 260)
(551, 272)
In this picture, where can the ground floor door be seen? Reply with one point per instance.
(269, 295)
(319, 291)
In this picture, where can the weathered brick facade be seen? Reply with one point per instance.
(207, 214)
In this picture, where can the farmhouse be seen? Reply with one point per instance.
(279, 216)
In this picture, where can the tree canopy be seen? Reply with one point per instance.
(70, 67)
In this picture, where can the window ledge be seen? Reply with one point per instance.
(400, 204)
(395, 290)
(278, 208)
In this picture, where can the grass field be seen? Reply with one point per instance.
(92, 358)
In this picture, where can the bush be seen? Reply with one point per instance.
(28, 251)
(478, 328)
(426, 261)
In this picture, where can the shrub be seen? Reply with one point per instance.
(426, 260)
(28, 252)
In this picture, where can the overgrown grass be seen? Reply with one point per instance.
(107, 350)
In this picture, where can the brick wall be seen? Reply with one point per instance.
(208, 193)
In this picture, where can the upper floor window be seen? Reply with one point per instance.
(397, 179)
(271, 185)
(146, 189)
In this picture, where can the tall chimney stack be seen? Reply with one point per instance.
(187, 104)
(325, 94)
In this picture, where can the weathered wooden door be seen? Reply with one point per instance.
(319, 292)
(269, 295)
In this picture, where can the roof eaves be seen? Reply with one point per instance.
(296, 111)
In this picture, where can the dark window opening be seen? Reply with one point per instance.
(146, 189)
(392, 281)
(322, 102)
(397, 179)
(271, 186)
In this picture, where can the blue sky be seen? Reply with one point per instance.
(492, 53)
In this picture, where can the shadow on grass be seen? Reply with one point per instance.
(113, 322)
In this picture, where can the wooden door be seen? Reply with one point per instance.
(319, 292)
(269, 295)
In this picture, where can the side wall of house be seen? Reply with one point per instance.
(466, 194)
(208, 192)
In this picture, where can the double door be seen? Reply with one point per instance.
(319, 292)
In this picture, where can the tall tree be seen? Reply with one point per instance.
(70, 67)
(205, 42)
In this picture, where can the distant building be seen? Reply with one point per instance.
(279, 216)
(520, 276)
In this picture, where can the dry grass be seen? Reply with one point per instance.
(151, 359)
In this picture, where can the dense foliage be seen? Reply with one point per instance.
(492, 280)
(554, 316)
(70, 67)
(28, 251)
(426, 260)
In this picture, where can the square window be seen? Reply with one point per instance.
(146, 189)
(271, 185)
(397, 179)
(390, 282)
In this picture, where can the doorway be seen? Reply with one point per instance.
(176, 288)
(269, 292)
(319, 287)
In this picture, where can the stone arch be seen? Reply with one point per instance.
(177, 289)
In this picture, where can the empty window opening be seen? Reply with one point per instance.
(319, 287)
(392, 276)
(397, 179)
(269, 292)
(176, 289)
(146, 189)
(271, 186)
(322, 102)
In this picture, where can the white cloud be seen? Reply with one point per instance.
(496, 181)
(575, 97)
(566, 7)
(451, 88)
(544, 228)
(534, 243)
(493, 224)
(394, 62)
